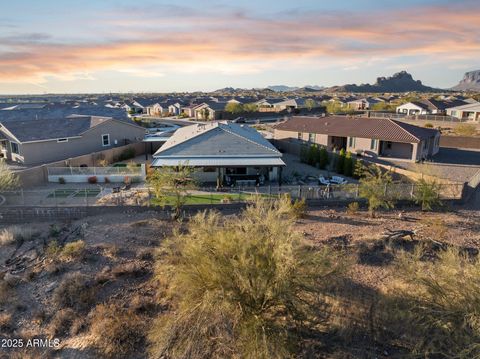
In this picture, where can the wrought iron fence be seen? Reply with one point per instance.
(121, 195)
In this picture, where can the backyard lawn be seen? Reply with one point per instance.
(212, 198)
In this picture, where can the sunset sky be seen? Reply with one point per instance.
(65, 46)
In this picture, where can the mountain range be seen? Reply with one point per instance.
(470, 81)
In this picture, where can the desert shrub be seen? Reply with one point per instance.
(465, 129)
(73, 250)
(54, 230)
(145, 254)
(428, 125)
(92, 179)
(427, 194)
(15, 234)
(348, 165)
(299, 208)
(61, 180)
(437, 304)
(373, 186)
(61, 323)
(127, 154)
(243, 287)
(117, 332)
(227, 199)
(53, 249)
(6, 322)
(8, 179)
(353, 208)
(7, 292)
(76, 291)
(323, 159)
(129, 269)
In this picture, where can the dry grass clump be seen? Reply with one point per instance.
(6, 323)
(69, 252)
(118, 332)
(7, 292)
(76, 291)
(61, 323)
(353, 208)
(436, 306)
(243, 287)
(15, 234)
(73, 250)
(133, 269)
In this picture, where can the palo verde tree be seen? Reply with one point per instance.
(8, 180)
(171, 186)
(427, 194)
(241, 287)
(373, 186)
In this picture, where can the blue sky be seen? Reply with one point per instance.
(160, 46)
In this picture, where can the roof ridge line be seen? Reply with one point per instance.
(247, 139)
(404, 130)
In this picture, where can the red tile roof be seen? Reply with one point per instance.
(343, 126)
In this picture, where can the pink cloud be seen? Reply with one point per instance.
(199, 39)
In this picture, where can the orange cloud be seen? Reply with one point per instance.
(238, 42)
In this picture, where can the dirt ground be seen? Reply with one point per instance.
(118, 259)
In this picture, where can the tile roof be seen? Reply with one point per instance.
(382, 129)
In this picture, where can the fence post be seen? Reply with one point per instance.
(412, 191)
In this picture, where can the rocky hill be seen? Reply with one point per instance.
(399, 82)
(470, 81)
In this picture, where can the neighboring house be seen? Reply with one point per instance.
(290, 104)
(428, 107)
(269, 104)
(210, 111)
(468, 112)
(413, 108)
(222, 152)
(132, 106)
(175, 108)
(362, 103)
(369, 137)
(47, 140)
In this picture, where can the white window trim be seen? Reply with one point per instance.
(60, 140)
(103, 142)
(18, 148)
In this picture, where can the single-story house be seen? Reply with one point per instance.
(427, 107)
(468, 112)
(210, 111)
(39, 141)
(268, 104)
(222, 152)
(362, 103)
(366, 136)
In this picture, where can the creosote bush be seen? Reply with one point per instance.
(244, 287)
(437, 304)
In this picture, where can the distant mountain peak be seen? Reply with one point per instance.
(400, 82)
(470, 81)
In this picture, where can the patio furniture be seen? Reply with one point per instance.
(323, 181)
(338, 180)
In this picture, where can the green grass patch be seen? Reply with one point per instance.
(214, 198)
